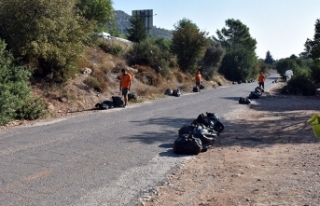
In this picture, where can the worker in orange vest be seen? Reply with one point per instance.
(261, 80)
(198, 79)
(125, 85)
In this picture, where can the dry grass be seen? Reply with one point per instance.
(145, 90)
(187, 86)
(182, 77)
(82, 63)
(81, 93)
(106, 66)
(148, 76)
(219, 78)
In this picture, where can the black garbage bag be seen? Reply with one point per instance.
(176, 93)
(101, 106)
(201, 129)
(254, 95)
(132, 96)
(207, 141)
(244, 100)
(259, 89)
(104, 105)
(188, 144)
(168, 92)
(117, 101)
(202, 119)
(214, 122)
(196, 89)
(109, 103)
(186, 129)
(218, 127)
(201, 86)
(212, 116)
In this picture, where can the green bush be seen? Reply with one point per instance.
(315, 71)
(238, 65)
(33, 108)
(111, 48)
(16, 101)
(54, 38)
(165, 72)
(300, 85)
(148, 53)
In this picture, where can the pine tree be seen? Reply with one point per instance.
(189, 43)
(239, 61)
(269, 59)
(137, 31)
(313, 46)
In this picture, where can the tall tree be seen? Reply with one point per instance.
(269, 59)
(99, 12)
(240, 58)
(189, 44)
(137, 31)
(313, 46)
(236, 35)
(49, 32)
(211, 60)
(293, 56)
(238, 64)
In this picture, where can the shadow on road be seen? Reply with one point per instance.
(273, 120)
(168, 122)
(233, 98)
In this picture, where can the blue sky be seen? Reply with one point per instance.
(279, 26)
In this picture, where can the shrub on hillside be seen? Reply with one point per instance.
(111, 47)
(34, 108)
(15, 95)
(53, 37)
(182, 77)
(149, 54)
(300, 85)
(148, 76)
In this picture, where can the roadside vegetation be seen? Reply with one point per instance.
(52, 59)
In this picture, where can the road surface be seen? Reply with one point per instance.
(111, 157)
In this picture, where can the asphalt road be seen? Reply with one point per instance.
(111, 157)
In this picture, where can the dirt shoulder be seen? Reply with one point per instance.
(268, 156)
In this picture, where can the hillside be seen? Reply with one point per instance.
(86, 89)
(122, 20)
(79, 95)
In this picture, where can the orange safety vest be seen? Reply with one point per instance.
(198, 78)
(261, 78)
(125, 81)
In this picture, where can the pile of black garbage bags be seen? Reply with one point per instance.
(115, 102)
(256, 94)
(198, 88)
(174, 92)
(199, 136)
